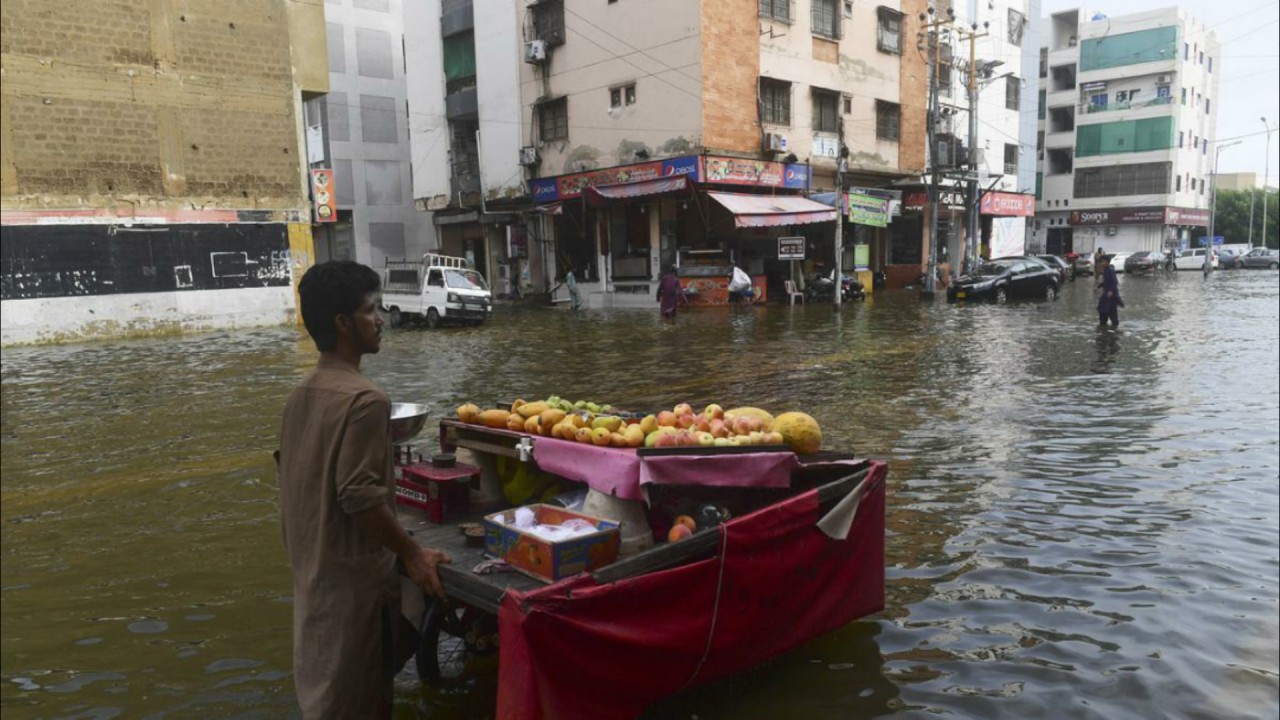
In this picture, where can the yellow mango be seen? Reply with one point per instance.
(532, 409)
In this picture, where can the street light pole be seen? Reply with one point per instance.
(1265, 179)
(1213, 209)
(971, 200)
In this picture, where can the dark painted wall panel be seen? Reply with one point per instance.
(40, 261)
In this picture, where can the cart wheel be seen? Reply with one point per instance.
(452, 635)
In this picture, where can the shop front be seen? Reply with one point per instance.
(1135, 229)
(1003, 216)
(909, 236)
(619, 228)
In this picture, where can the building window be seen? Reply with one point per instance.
(848, 8)
(621, 96)
(1177, 184)
(1040, 110)
(1186, 51)
(1012, 93)
(1121, 180)
(775, 97)
(825, 19)
(1204, 147)
(1044, 62)
(1206, 106)
(1162, 92)
(1184, 96)
(779, 10)
(1098, 101)
(1201, 58)
(887, 120)
(1010, 159)
(1210, 64)
(1017, 23)
(848, 104)
(553, 120)
(826, 111)
(548, 21)
(889, 31)
(1181, 133)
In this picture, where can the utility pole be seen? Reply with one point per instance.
(1265, 180)
(931, 28)
(1213, 209)
(971, 201)
(842, 159)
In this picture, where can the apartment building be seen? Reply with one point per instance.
(615, 138)
(363, 125)
(1127, 128)
(154, 168)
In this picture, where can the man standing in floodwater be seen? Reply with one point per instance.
(1110, 302)
(337, 512)
(670, 294)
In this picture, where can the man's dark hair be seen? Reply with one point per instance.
(330, 289)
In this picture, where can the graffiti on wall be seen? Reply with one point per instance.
(43, 261)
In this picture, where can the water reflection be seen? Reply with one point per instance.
(1066, 521)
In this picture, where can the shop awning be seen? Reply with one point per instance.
(602, 194)
(772, 210)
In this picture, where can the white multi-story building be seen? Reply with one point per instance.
(1004, 61)
(365, 130)
(1127, 130)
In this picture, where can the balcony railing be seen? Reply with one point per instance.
(1089, 109)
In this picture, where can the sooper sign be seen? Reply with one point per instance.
(791, 248)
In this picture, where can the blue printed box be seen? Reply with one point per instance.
(547, 560)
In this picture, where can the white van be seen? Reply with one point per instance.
(438, 289)
(1193, 259)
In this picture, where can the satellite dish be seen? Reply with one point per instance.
(1098, 16)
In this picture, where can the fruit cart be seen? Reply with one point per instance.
(797, 553)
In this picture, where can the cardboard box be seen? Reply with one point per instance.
(546, 560)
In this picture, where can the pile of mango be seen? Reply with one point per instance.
(678, 427)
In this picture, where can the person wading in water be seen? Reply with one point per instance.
(337, 497)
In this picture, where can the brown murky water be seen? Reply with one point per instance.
(1081, 524)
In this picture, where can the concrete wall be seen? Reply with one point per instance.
(654, 44)
(913, 84)
(428, 129)
(499, 57)
(369, 130)
(73, 319)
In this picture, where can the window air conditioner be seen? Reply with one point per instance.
(529, 156)
(1162, 80)
(535, 51)
(1111, 229)
(775, 142)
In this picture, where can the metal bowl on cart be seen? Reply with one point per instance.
(407, 420)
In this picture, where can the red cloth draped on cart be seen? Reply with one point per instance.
(580, 650)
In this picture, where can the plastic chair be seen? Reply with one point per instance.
(792, 294)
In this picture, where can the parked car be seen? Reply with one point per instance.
(1064, 268)
(1144, 262)
(1118, 260)
(1228, 259)
(1193, 259)
(1005, 279)
(1083, 265)
(1261, 258)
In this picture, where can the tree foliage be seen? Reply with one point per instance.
(1231, 220)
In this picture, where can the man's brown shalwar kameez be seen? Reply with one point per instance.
(335, 461)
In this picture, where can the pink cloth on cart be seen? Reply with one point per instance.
(622, 472)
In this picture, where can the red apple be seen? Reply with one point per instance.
(719, 428)
(713, 411)
(685, 421)
(684, 409)
(667, 418)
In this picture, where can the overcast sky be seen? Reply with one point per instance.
(1249, 31)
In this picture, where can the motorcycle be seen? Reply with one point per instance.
(822, 288)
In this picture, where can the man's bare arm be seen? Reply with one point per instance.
(419, 562)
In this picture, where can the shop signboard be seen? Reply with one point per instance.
(790, 248)
(323, 202)
(566, 187)
(868, 210)
(919, 200)
(722, 170)
(1141, 216)
(1007, 204)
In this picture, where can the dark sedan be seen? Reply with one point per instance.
(1064, 268)
(1229, 260)
(1006, 279)
(1143, 262)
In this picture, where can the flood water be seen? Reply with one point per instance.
(1081, 524)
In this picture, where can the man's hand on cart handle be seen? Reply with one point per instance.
(421, 567)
